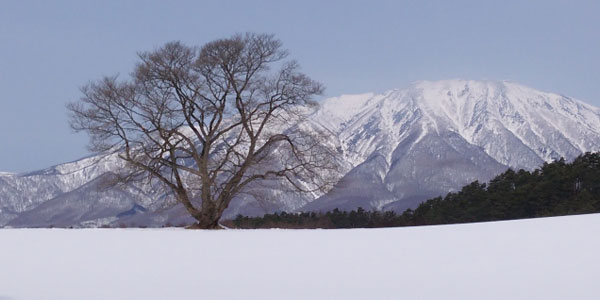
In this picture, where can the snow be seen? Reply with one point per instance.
(551, 258)
(346, 106)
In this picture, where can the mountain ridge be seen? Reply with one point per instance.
(396, 148)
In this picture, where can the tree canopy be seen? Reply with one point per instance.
(208, 122)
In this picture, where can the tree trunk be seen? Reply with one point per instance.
(199, 225)
(207, 221)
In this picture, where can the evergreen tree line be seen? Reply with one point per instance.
(556, 189)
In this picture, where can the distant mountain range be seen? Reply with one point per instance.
(397, 149)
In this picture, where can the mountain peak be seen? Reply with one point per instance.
(407, 145)
(483, 112)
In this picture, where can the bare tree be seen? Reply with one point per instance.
(209, 122)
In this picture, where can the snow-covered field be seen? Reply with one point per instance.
(552, 258)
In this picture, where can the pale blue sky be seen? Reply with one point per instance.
(48, 49)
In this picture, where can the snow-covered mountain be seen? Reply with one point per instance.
(433, 137)
(396, 150)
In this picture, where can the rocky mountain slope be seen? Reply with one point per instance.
(396, 150)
